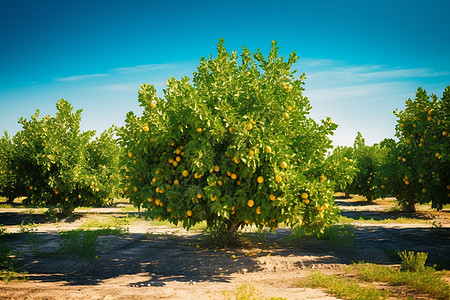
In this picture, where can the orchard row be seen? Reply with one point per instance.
(234, 147)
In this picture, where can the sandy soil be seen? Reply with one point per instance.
(157, 262)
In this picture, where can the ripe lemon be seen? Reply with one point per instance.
(213, 198)
(283, 165)
(150, 199)
(272, 197)
(170, 160)
(175, 164)
(199, 130)
(278, 178)
(236, 160)
(268, 149)
(306, 201)
(437, 154)
(304, 196)
(130, 155)
(145, 128)
(322, 178)
(135, 189)
(429, 118)
(258, 210)
(189, 213)
(216, 168)
(251, 153)
(403, 159)
(153, 104)
(185, 173)
(325, 206)
(250, 203)
(220, 182)
(444, 133)
(249, 126)
(178, 158)
(228, 173)
(199, 195)
(157, 202)
(233, 176)
(286, 115)
(260, 179)
(230, 130)
(159, 218)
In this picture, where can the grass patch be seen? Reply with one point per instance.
(246, 292)
(428, 280)
(337, 236)
(84, 242)
(9, 269)
(367, 220)
(341, 287)
(109, 222)
(130, 208)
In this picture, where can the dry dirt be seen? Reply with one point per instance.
(162, 262)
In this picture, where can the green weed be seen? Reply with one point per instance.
(427, 280)
(412, 261)
(246, 292)
(341, 287)
(9, 269)
(84, 242)
(338, 235)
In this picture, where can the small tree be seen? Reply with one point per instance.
(341, 169)
(417, 169)
(10, 185)
(368, 163)
(54, 160)
(235, 147)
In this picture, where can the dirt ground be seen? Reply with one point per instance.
(163, 262)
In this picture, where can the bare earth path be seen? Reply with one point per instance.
(160, 262)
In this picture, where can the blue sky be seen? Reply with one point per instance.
(362, 59)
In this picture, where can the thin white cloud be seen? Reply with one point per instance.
(119, 87)
(80, 77)
(121, 70)
(141, 68)
(318, 62)
(372, 72)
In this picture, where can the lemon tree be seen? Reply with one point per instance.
(417, 169)
(10, 185)
(341, 168)
(369, 160)
(235, 146)
(60, 166)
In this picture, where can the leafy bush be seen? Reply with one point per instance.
(412, 261)
(417, 169)
(235, 147)
(60, 166)
(368, 163)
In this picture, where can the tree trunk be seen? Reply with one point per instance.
(66, 211)
(408, 206)
(233, 227)
(347, 194)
